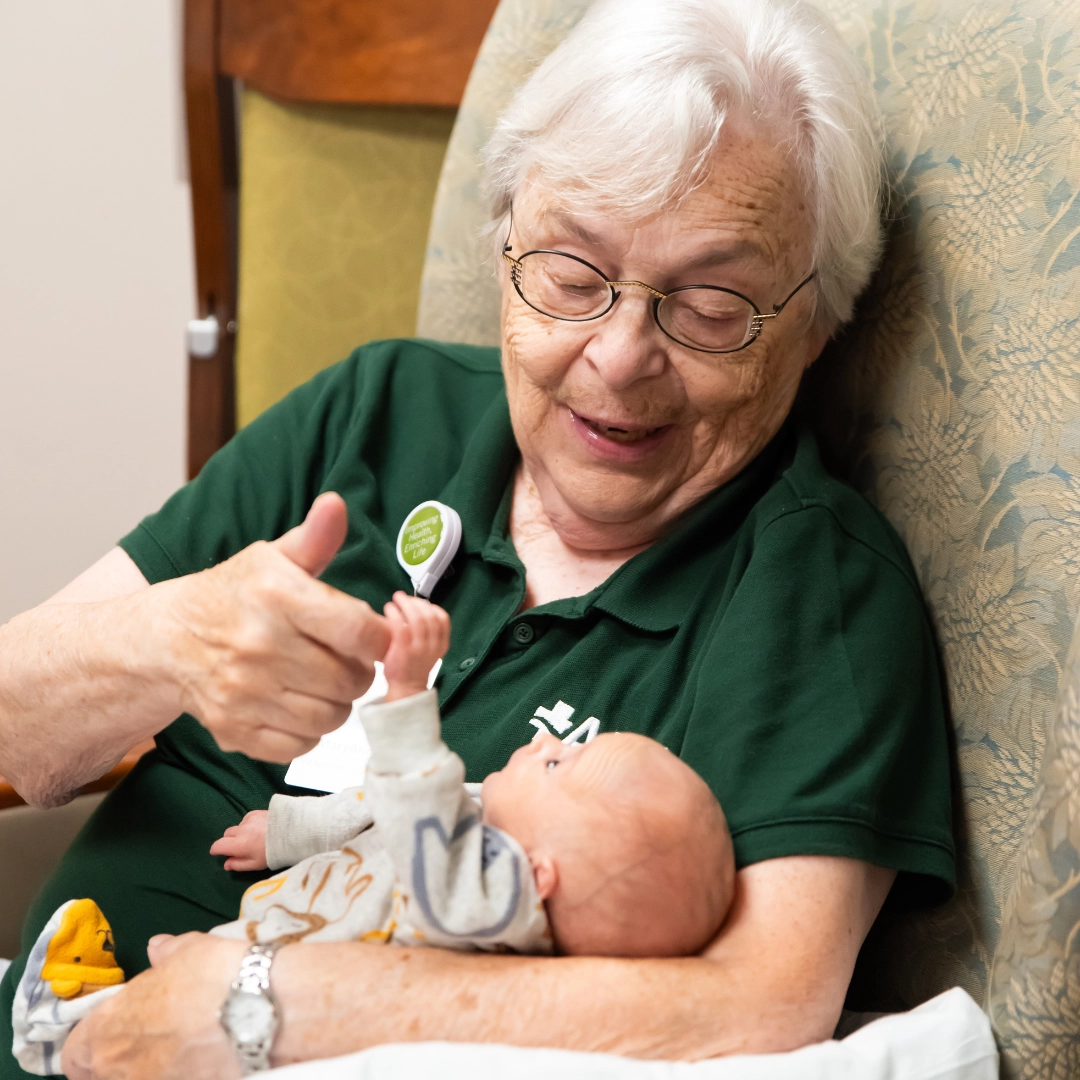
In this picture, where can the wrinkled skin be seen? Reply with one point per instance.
(623, 371)
(173, 1030)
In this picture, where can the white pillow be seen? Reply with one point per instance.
(948, 1038)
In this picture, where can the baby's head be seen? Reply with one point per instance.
(628, 845)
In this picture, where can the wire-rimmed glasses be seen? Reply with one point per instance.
(706, 318)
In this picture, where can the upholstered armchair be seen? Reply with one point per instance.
(952, 402)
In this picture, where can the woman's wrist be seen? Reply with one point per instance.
(157, 629)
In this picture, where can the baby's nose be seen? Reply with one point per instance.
(542, 742)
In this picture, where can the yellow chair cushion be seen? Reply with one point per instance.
(335, 202)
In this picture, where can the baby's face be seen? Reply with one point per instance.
(537, 782)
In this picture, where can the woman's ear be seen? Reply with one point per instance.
(545, 874)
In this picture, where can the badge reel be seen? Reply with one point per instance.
(427, 543)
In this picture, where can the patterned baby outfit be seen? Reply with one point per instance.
(405, 859)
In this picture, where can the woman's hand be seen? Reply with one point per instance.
(258, 649)
(165, 1022)
(244, 844)
(263, 654)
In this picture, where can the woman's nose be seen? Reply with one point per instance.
(624, 346)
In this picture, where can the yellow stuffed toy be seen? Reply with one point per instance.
(80, 956)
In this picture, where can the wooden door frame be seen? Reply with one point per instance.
(210, 100)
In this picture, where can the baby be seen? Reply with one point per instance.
(614, 847)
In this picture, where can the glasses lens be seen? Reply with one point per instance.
(707, 319)
(561, 286)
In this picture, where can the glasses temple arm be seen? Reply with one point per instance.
(509, 229)
(805, 281)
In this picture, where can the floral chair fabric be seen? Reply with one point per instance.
(953, 402)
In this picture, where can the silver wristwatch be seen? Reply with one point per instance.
(249, 1013)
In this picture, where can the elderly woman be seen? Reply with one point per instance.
(685, 200)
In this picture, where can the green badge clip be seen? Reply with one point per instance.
(428, 540)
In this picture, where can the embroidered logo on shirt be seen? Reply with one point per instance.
(558, 716)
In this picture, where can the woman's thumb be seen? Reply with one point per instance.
(314, 543)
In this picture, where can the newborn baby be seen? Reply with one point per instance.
(614, 847)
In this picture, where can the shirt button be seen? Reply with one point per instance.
(523, 633)
(467, 663)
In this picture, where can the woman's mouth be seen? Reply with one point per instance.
(624, 443)
(621, 435)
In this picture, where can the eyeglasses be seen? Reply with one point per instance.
(706, 318)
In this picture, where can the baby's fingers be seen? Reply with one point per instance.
(227, 845)
(398, 620)
(244, 864)
(414, 608)
(429, 622)
(436, 630)
(441, 630)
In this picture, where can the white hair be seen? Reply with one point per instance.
(624, 116)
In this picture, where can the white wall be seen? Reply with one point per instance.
(96, 281)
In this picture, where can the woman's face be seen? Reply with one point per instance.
(621, 429)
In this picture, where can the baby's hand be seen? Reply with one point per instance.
(419, 635)
(245, 844)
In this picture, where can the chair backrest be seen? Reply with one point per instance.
(952, 401)
(346, 108)
(335, 204)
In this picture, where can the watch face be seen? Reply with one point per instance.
(249, 1018)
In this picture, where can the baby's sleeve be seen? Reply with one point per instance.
(310, 824)
(465, 884)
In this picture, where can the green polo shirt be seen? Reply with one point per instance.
(775, 640)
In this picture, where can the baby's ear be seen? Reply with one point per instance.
(545, 874)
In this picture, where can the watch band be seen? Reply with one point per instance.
(254, 973)
(254, 978)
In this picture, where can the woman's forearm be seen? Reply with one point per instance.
(261, 652)
(685, 1009)
(773, 980)
(336, 1000)
(78, 689)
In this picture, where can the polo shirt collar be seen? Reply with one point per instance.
(655, 589)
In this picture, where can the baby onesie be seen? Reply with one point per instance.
(405, 859)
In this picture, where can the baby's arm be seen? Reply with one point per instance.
(294, 828)
(465, 883)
